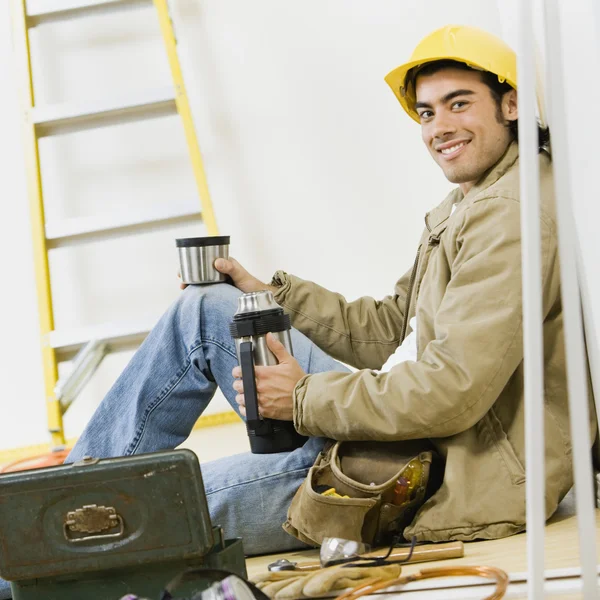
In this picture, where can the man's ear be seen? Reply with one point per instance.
(510, 107)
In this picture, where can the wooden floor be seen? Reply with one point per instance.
(509, 554)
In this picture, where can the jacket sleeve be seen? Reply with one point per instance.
(476, 348)
(362, 333)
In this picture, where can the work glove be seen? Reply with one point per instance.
(286, 585)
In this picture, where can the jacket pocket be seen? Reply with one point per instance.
(509, 457)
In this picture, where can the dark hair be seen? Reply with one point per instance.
(497, 90)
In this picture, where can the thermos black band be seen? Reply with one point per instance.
(199, 242)
(260, 326)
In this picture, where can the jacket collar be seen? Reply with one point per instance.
(506, 162)
(441, 213)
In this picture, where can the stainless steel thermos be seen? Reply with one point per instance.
(257, 315)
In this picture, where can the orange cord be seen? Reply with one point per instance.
(52, 459)
(498, 575)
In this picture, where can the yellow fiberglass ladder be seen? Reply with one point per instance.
(89, 347)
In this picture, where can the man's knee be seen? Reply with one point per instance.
(215, 302)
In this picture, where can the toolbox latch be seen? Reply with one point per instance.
(85, 461)
(92, 519)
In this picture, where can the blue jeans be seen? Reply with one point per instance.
(165, 388)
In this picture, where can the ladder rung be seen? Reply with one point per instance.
(47, 11)
(79, 230)
(118, 336)
(66, 118)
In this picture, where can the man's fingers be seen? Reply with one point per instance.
(225, 266)
(230, 266)
(181, 285)
(238, 275)
(237, 372)
(241, 402)
(277, 348)
(238, 386)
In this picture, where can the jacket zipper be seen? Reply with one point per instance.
(411, 283)
(433, 241)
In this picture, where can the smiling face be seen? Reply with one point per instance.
(462, 125)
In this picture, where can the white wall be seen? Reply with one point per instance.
(313, 167)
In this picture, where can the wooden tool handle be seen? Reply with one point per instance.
(423, 553)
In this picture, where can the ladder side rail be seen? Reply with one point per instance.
(21, 27)
(184, 110)
(36, 207)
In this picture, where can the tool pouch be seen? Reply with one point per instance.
(379, 486)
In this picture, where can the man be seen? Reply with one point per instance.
(460, 306)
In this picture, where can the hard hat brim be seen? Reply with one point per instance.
(396, 80)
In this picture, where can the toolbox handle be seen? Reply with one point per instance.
(94, 519)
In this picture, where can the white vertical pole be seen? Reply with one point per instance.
(593, 343)
(573, 326)
(596, 10)
(532, 302)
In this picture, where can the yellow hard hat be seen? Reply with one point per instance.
(470, 45)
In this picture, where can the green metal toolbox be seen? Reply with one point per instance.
(98, 529)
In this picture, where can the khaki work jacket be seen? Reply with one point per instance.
(465, 391)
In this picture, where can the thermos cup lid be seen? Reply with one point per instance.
(258, 314)
(211, 240)
(252, 302)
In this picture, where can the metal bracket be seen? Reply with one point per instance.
(86, 362)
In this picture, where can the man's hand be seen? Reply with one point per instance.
(274, 385)
(181, 284)
(240, 277)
